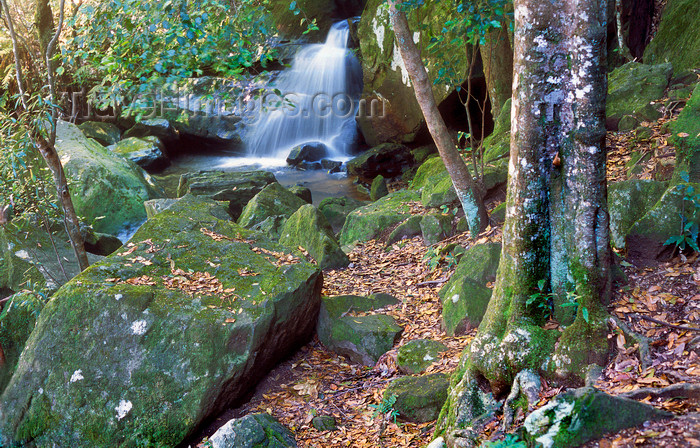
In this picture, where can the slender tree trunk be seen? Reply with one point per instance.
(556, 226)
(497, 56)
(467, 191)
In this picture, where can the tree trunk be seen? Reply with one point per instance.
(467, 192)
(556, 227)
(497, 56)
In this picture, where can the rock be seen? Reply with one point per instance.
(107, 191)
(325, 12)
(156, 127)
(633, 86)
(307, 152)
(336, 209)
(362, 339)
(301, 192)
(430, 172)
(678, 38)
(465, 297)
(101, 243)
(324, 423)
(379, 188)
(105, 134)
(435, 228)
(407, 229)
(106, 355)
(685, 135)
(584, 414)
(17, 320)
(387, 159)
(308, 228)
(419, 398)
(370, 221)
(629, 201)
(155, 206)
(440, 193)
(498, 214)
(236, 187)
(646, 238)
(273, 201)
(146, 152)
(627, 123)
(253, 431)
(415, 356)
(389, 111)
(332, 166)
(497, 145)
(423, 153)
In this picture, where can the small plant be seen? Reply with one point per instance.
(690, 218)
(572, 300)
(436, 257)
(432, 258)
(541, 299)
(386, 408)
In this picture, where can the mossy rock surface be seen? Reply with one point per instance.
(155, 206)
(678, 38)
(435, 227)
(428, 173)
(17, 320)
(155, 127)
(685, 135)
(107, 190)
(584, 414)
(498, 214)
(146, 152)
(629, 201)
(308, 228)
(439, 192)
(337, 209)
(415, 356)
(253, 431)
(407, 229)
(273, 201)
(419, 398)
(370, 221)
(387, 159)
(633, 86)
(378, 189)
(497, 145)
(303, 193)
(104, 133)
(146, 345)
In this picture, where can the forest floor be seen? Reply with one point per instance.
(660, 301)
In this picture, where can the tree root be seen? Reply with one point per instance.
(527, 384)
(684, 390)
(642, 342)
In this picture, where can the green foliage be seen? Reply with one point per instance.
(310, 24)
(386, 407)
(510, 441)
(544, 301)
(436, 257)
(690, 218)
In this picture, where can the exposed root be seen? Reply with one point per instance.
(642, 342)
(526, 384)
(684, 390)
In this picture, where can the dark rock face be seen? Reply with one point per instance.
(307, 152)
(388, 159)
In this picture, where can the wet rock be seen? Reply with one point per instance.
(307, 152)
(336, 209)
(301, 192)
(146, 152)
(388, 159)
(419, 398)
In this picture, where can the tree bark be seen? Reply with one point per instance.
(469, 195)
(497, 56)
(556, 226)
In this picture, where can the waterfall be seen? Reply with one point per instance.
(314, 100)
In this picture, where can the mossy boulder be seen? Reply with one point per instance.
(678, 38)
(324, 423)
(107, 190)
(398, 117)
(324, 12)
(685, 135)
(235, 187)
(253, 431)
(497, 145)
(378, 189)
(145, 346)
(337, 209)
(274, 201)
(440, 193)
(146, 152)
(104, 133)
(362, 339)
(633, 86)
(584, 414)
(17, 320)
(415, 356)
(155, 127)
(155, 206)
(101, 243)
(407, 229)
(429, 172)
(303, 193)
(308, 228)
(419, 398)
(387, 159)
(465, 296)
(370, 221)
(498, 214)
(629, 201)
(307, 152)
(435, 227)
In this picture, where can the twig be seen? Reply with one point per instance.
(660, 322)
(432, 282)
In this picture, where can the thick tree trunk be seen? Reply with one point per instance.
(497, 56)
(556, 226)
(467, 191)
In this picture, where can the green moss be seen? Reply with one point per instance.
(685, 135)
(417, 355)
(428, 171)
(629, 201)
(633, 86)
(104, 133)
(678, 37)
(419, 398)
(379, 188)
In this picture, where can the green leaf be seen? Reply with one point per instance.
(584, 313)
(292, 6)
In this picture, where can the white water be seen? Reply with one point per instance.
(318, 100)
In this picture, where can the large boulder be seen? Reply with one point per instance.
(370, 221)
(308, 228)
(337, 209)
(307, 152)
(272, 206)
(584, 414)
(434, 183)
(236, 187)
(107, 190)
(631, 89)
(388, 160)
(104, 133)
(391, 112)
(419, 398)
(154, 127)
(629, 201)
(685, 135)
(145, 346)
(497, 145)
(415, 356)
(253, 431)
(146, 152)
(465, 297)
(435, 227)
(678, 38)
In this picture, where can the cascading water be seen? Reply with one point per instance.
(316, 101)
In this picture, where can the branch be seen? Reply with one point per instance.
(50, 48)
(15, 50)
(675, 390)
(660, 322)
